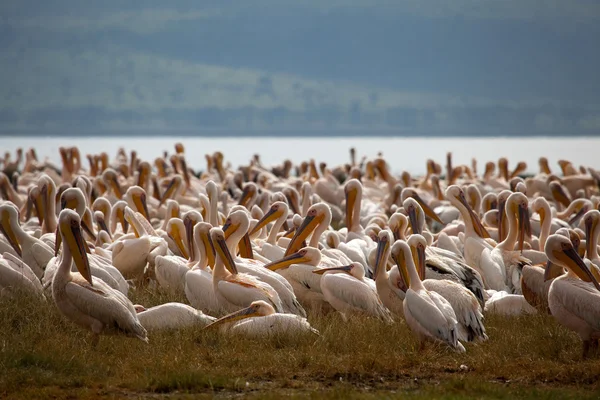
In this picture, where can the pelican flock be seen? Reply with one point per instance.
(261, 250)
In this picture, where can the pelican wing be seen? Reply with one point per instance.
(357, 294)
(426, 312)
(241, 292)
(580, 298)
(104, 304)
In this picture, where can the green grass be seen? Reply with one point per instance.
(44, 355)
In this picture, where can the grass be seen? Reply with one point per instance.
(44, 355)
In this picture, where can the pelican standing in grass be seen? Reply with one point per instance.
(574, 298)
(428, 314)
(91, 304)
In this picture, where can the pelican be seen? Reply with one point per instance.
(269, 248)
(464, 303)
(17, 277)
(234, 290)
(389, 287)
(259, 319)
(428, 314)
(345, 289)
(91, 304)
(592, 228)
(574, 298)
(32, 251)
(501, 265)
(171, 316)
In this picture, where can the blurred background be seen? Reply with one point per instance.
(275, 67)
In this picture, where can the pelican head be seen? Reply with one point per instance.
(258, 308)
(69, 225)
(383, 251)
(144, 172)
(398, 224)
(249, 194)
(9, 215)
(559, 193)
(353, 193)
(518, 205)
(136, 199)
(489, 202)
(110, 178)
(318, 215)
(220, 245)
(204, 242)
(172, 188)
(306, 255)
(190, 219)
(176, 231)
(418, 244)
(415, 214)
(560, 251)
(276, 211)
(457, 197)
(401, 253)
(412, 193)
(237, 222)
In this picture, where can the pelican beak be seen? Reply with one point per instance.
(270, 216)
(344, 268)
(295, 258)
(590, 225)
(39, 202)
(245, 247)
(501, 220)
(421, 261)
(412, 216)
(229, 228)
(380, 263)
(116, 187)
(292, 200)
(350, 201)
(308, 226)
(428, 210)
(246, 196)
(168, 192)
(77, 246)
(9, 233)
(178, 239)
(577, 265)
(552, 271)
(209, 248)
(128, 217)
(479, 228)
(189, 234)
(223, 252)
(560, 195)
(121, 218)
(102, 224)
(573, 221)
(142, 176)
(87, 227)
(141, 205)
(402, 269)
(523, 218)
(235, 316)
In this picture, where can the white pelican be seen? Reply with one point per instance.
(347, 291)
(463, 302)
(90, 304)
(592, 228)
(502, 265)
(260, 319)
(235, 290)
(428, 314)
(279, 213)
(16, 277)
(171, 316)
(199, 280)
(475, 234)
(235, 229)
(32, 251)
(574, 298)
(388, 284)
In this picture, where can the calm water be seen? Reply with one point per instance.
(402, 153)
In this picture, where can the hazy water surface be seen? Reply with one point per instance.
(402, 153)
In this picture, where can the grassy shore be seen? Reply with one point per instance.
(44, 355)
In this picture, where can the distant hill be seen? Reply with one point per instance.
(228, 69)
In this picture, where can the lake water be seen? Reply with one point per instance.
(408, 154)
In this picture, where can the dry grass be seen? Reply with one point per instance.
(44, 355)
